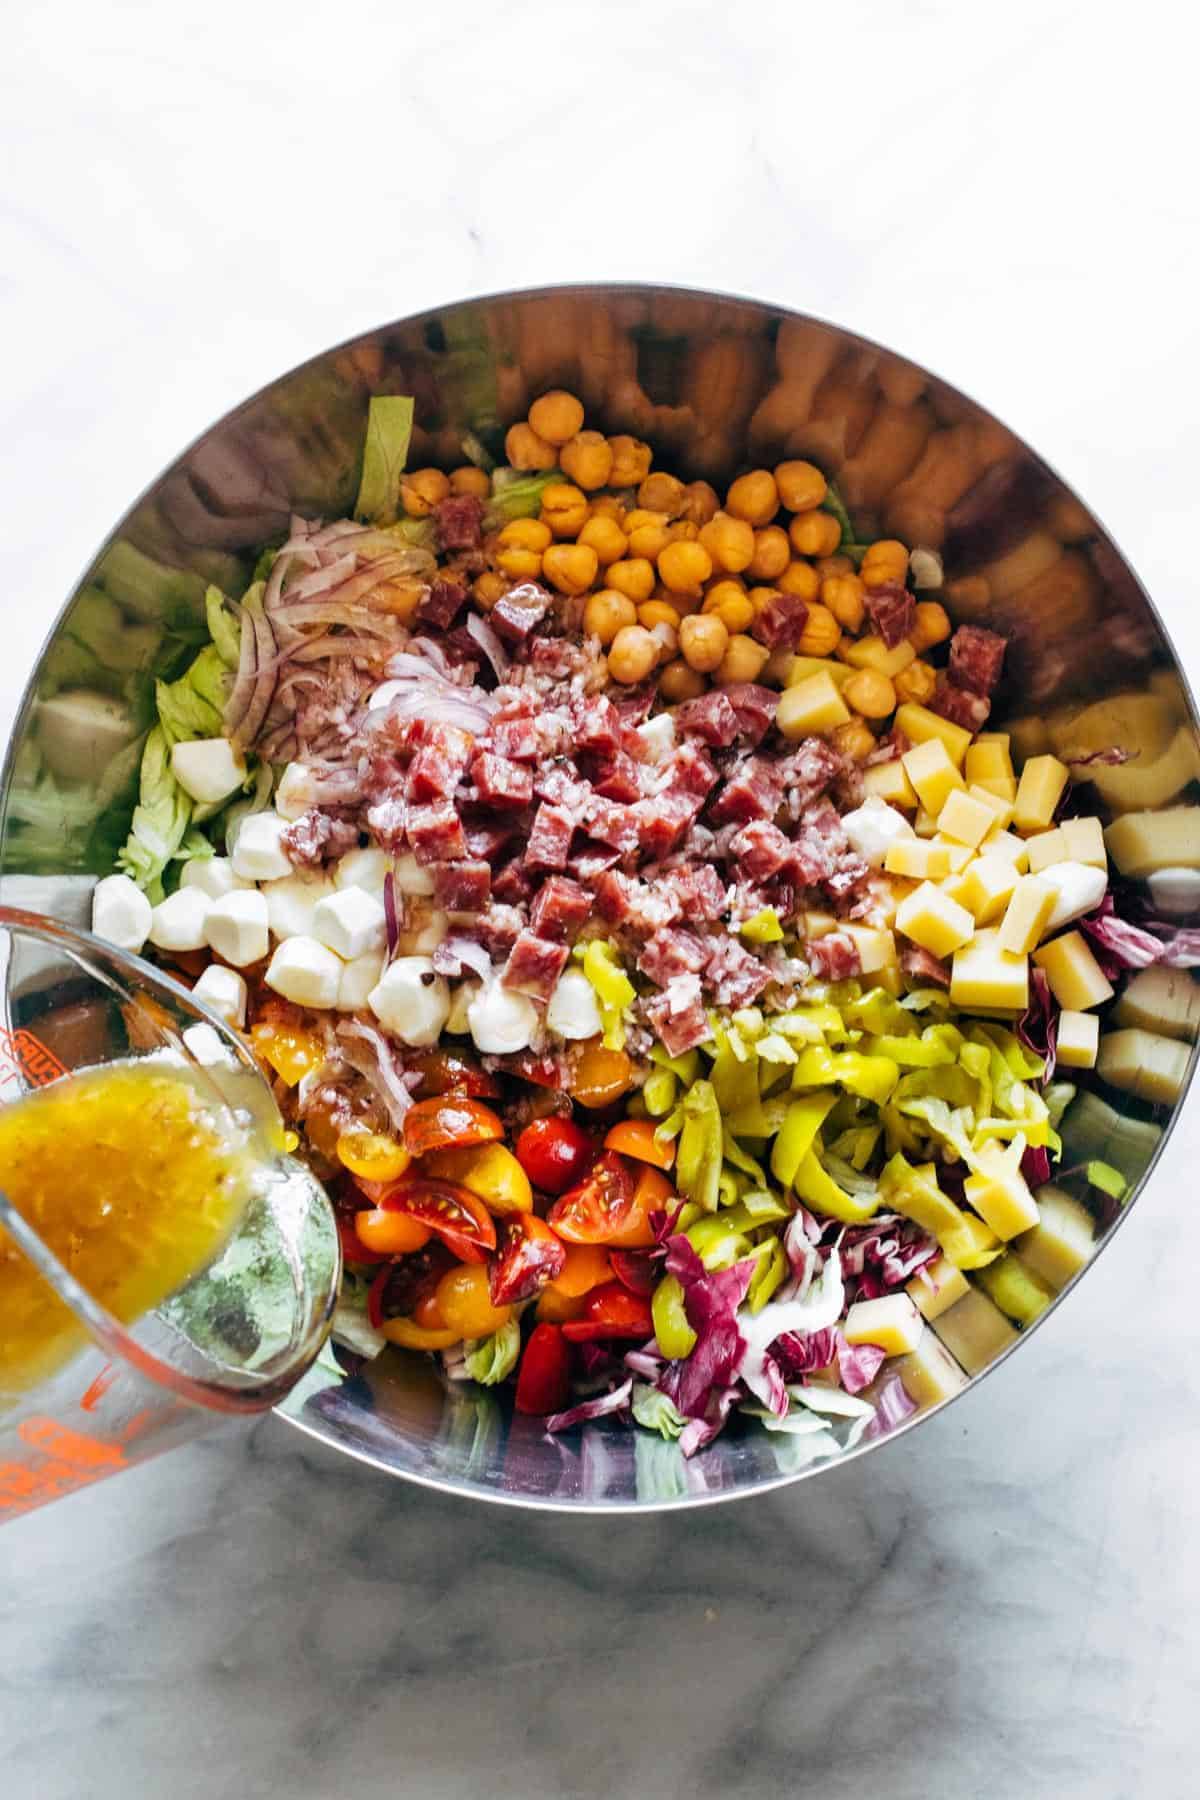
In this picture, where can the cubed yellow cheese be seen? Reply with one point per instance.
(1083, 840)
(1000, 1194)
(975, 1244)
(891, 980)
(1163, 1000)
(876, 948)
(920, 726)
(918, 859)
(1078, 1039)
(1062, 1241)
(1144, 1064)
(925, 825)
(1007, 844)
(873, 653)
(889, 781)
(1076, 979)
(957, 855)
(1142, 842)
(987, 887)
(1005, 789)
(799, 668)
(931, 919)
(965, 818)
(1039, 791)
(931, 770)
(935, 1288)
(954, 885)
(811, 707)
(1025, 920)
(1047, 848)
(819, 924)
(985, 974)
(1001, 804)
(975, 1332)
(929, 1374)
(988, 758)
(892, 1322)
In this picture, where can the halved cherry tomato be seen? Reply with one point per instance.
(458, 1217)
(465, 1302)
(611, 1312)
(446, 1071)
(447, 1121)
(411, 1336)
(601, 1076)
(636, 1137)
(541, 1071)
(554, 1307)
(489, 1170)
(584, 1267)
(290, 1050)
(653, 1193)
(353, 1248)
(555, 1153)
(528, 1255)
(598, 1209)
(390, 1233)
(635, 1272)
(408, 1284)
(544, 1378)
(374, 1155)
(427, 1313)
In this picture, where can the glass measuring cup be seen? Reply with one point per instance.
(236, 1335)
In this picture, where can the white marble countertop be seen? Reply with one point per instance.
(1003, 1604)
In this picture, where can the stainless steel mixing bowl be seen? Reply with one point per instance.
(715, 384)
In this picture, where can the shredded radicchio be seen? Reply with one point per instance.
(1037, 1028)
(1120, 945)
(858, 1364)
(710, 1302)
(616, 1401)
(892, 1407)
(1035, 1165)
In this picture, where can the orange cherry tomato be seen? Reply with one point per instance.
(411, 1336)
(372, 1154)
(446, 1071)
(653, 1193)
(585, 1267)
(465, 1303)
(428, 1312)
(601, 1076)
(449, 1120)
(390, 1233)
(554, 1307)
(637, 1138)
(458, 1216)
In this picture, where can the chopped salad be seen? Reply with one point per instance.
(675, 977)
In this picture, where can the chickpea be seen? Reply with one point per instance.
(524, 449)
(834, 565)
(743, 661)
(657, 612)
(854, 739)
(930, 626)
(731, 603)
(631, 461)
(470, 480)
(634, 576)
(821, 632)
(730, 543)
(685, 567)
(700, 503)
(772, 553)
(680, 682)
(608, 506)
(662, 493)
(647, 532)
(605, 537)
(632, 655)
(889, 553)
(703, 640)
(520, 563)
(556, 417)
(564, 509)
(753, 497)
(800, 578)
(801, 485)
(587, 459)
(917, 682)
(843, 595)
(487, 588)
(815, 533)
(683, 531)
(760, 597)
(870, 694)
(571, 568)
(607, 612)
(421, 491)
(667, 639)
(525, 534)
(683, 603)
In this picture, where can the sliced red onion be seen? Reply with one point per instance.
(390, 915)
(490, 644)
(238, 703)
(320, 579)
(440, 706)
(617, 1401)
(470, 954)
(380, 1070)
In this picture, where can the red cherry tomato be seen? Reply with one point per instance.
(636, 1272)
(611, 1311)
(544, 1377)
(528, 1255)
(452, 1071)
(405, 1285)
(454, 1213)
(447, 1121)
(554, 1153)
(541, 1071)
(600, 1208)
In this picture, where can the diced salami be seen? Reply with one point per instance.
(437, 767)
(780, 623)
(441, 603)
(487, 838)
(435, 834)
(516, 739)
(755, 707)
(616, 778)
(690, 771)
(834, 957)
(677, 1015)
(661, 822)
(960, 705)
(534, 965)
(709, 717)
(500, 782)
(513, 885)
(613, 824)
(760, 850)
(847, 878)
(753, 791)
(598, 726)
(890, 608)
(976, 659)
(733, 976)
(672, 952)
(462, 886)
(387, 819)
(316, 836)
(640, 906)
(634, 703)
(560, 908)
(458, 522)
(699, 890)
(808, 771)
(498, 928)
(923, 967)
(519, 612)
(823, 820)
(590, 860)
(813, 858)
(549, 838)
(889, 748)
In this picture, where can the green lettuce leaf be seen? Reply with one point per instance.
(656, 1411)
(490, 1359)
(222, 627)
(193, 706)
(160, 819)
(385, 453)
